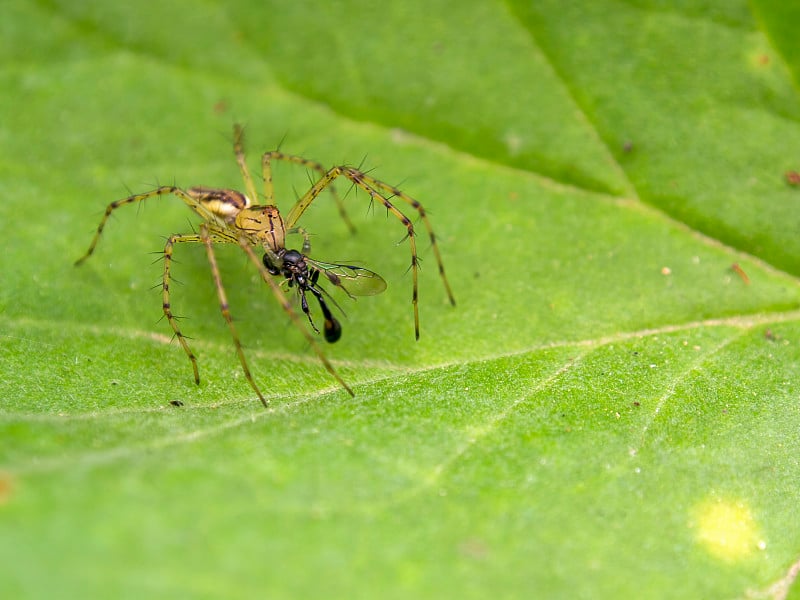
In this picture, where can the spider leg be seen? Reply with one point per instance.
(238, 150)
(287, 307)
(394, 192)
(374, 187)
(208, 238)
(269, 192)
(164, 190)
(171, 319)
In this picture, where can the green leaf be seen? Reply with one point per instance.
(611, 410)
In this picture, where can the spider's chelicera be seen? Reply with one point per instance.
(230, 217)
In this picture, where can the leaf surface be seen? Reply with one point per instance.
(611, 410)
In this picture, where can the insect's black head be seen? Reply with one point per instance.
(292, 259)
(295, 269)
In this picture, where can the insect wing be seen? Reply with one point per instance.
(355, 281)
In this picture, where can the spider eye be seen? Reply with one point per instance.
(333, 330)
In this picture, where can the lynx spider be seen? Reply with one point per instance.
(230, 217)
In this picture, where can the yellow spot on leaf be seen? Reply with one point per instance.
(726, 529)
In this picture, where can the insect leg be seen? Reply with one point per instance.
(287, 307)
(333, 329)
(305, 308)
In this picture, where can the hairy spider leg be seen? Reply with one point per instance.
(269, 192)
(208, 238)
(376, 184)
(165, 301)
(287, 307)
(238, 150)
(373, 187)
(164, 190)
(216, 236)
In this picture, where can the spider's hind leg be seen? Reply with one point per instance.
(164, 190)
(238, 150)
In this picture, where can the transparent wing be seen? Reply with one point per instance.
(355, 281)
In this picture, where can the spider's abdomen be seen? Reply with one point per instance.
(226, 204)
(264, 225)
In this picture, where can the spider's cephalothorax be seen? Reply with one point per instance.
(230, 217)
(295, 268)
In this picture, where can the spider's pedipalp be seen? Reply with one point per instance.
(306, 250)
